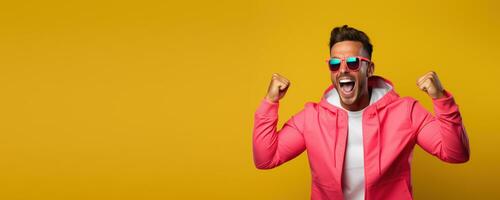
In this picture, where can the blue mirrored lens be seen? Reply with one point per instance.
(334, 64)
(334, 61)
(352, 63)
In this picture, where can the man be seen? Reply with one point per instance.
(360, 136)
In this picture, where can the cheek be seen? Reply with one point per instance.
(332, 76)
(362, 78)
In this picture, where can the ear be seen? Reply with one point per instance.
(371, 69)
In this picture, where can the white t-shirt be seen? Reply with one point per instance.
(354, 168)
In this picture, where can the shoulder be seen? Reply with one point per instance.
(311, 106)
(403, 104)
(410, 105)
(408, 100)
(315, 107)
(310, 109)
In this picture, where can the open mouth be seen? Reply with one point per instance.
(347, 85)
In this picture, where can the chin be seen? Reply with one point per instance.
(348, 101)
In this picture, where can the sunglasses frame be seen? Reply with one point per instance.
(344, 60)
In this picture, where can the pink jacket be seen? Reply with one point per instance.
(391, 128)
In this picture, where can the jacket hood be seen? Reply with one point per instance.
(382, 94)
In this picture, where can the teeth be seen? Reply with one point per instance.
(345, 81)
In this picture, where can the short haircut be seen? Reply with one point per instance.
(346, 33)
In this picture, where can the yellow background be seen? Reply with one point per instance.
(155, 99)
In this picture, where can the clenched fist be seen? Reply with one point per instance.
(430, 83)
(277, 88)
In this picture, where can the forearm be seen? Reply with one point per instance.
(271, 147)
(264, 135)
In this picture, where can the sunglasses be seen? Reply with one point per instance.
(353, 63)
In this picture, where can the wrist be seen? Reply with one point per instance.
(270, 100)
(439, 95)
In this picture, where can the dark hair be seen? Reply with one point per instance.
(346, 33)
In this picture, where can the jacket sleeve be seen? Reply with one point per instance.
(442, 135)
(272, 148)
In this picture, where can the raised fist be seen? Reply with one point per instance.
(430, 84)
(277, 88)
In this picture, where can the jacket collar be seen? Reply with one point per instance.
(373, 82)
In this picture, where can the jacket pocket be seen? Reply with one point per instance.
(324, 191)
(395, 189)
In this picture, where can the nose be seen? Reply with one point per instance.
(343, 68)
